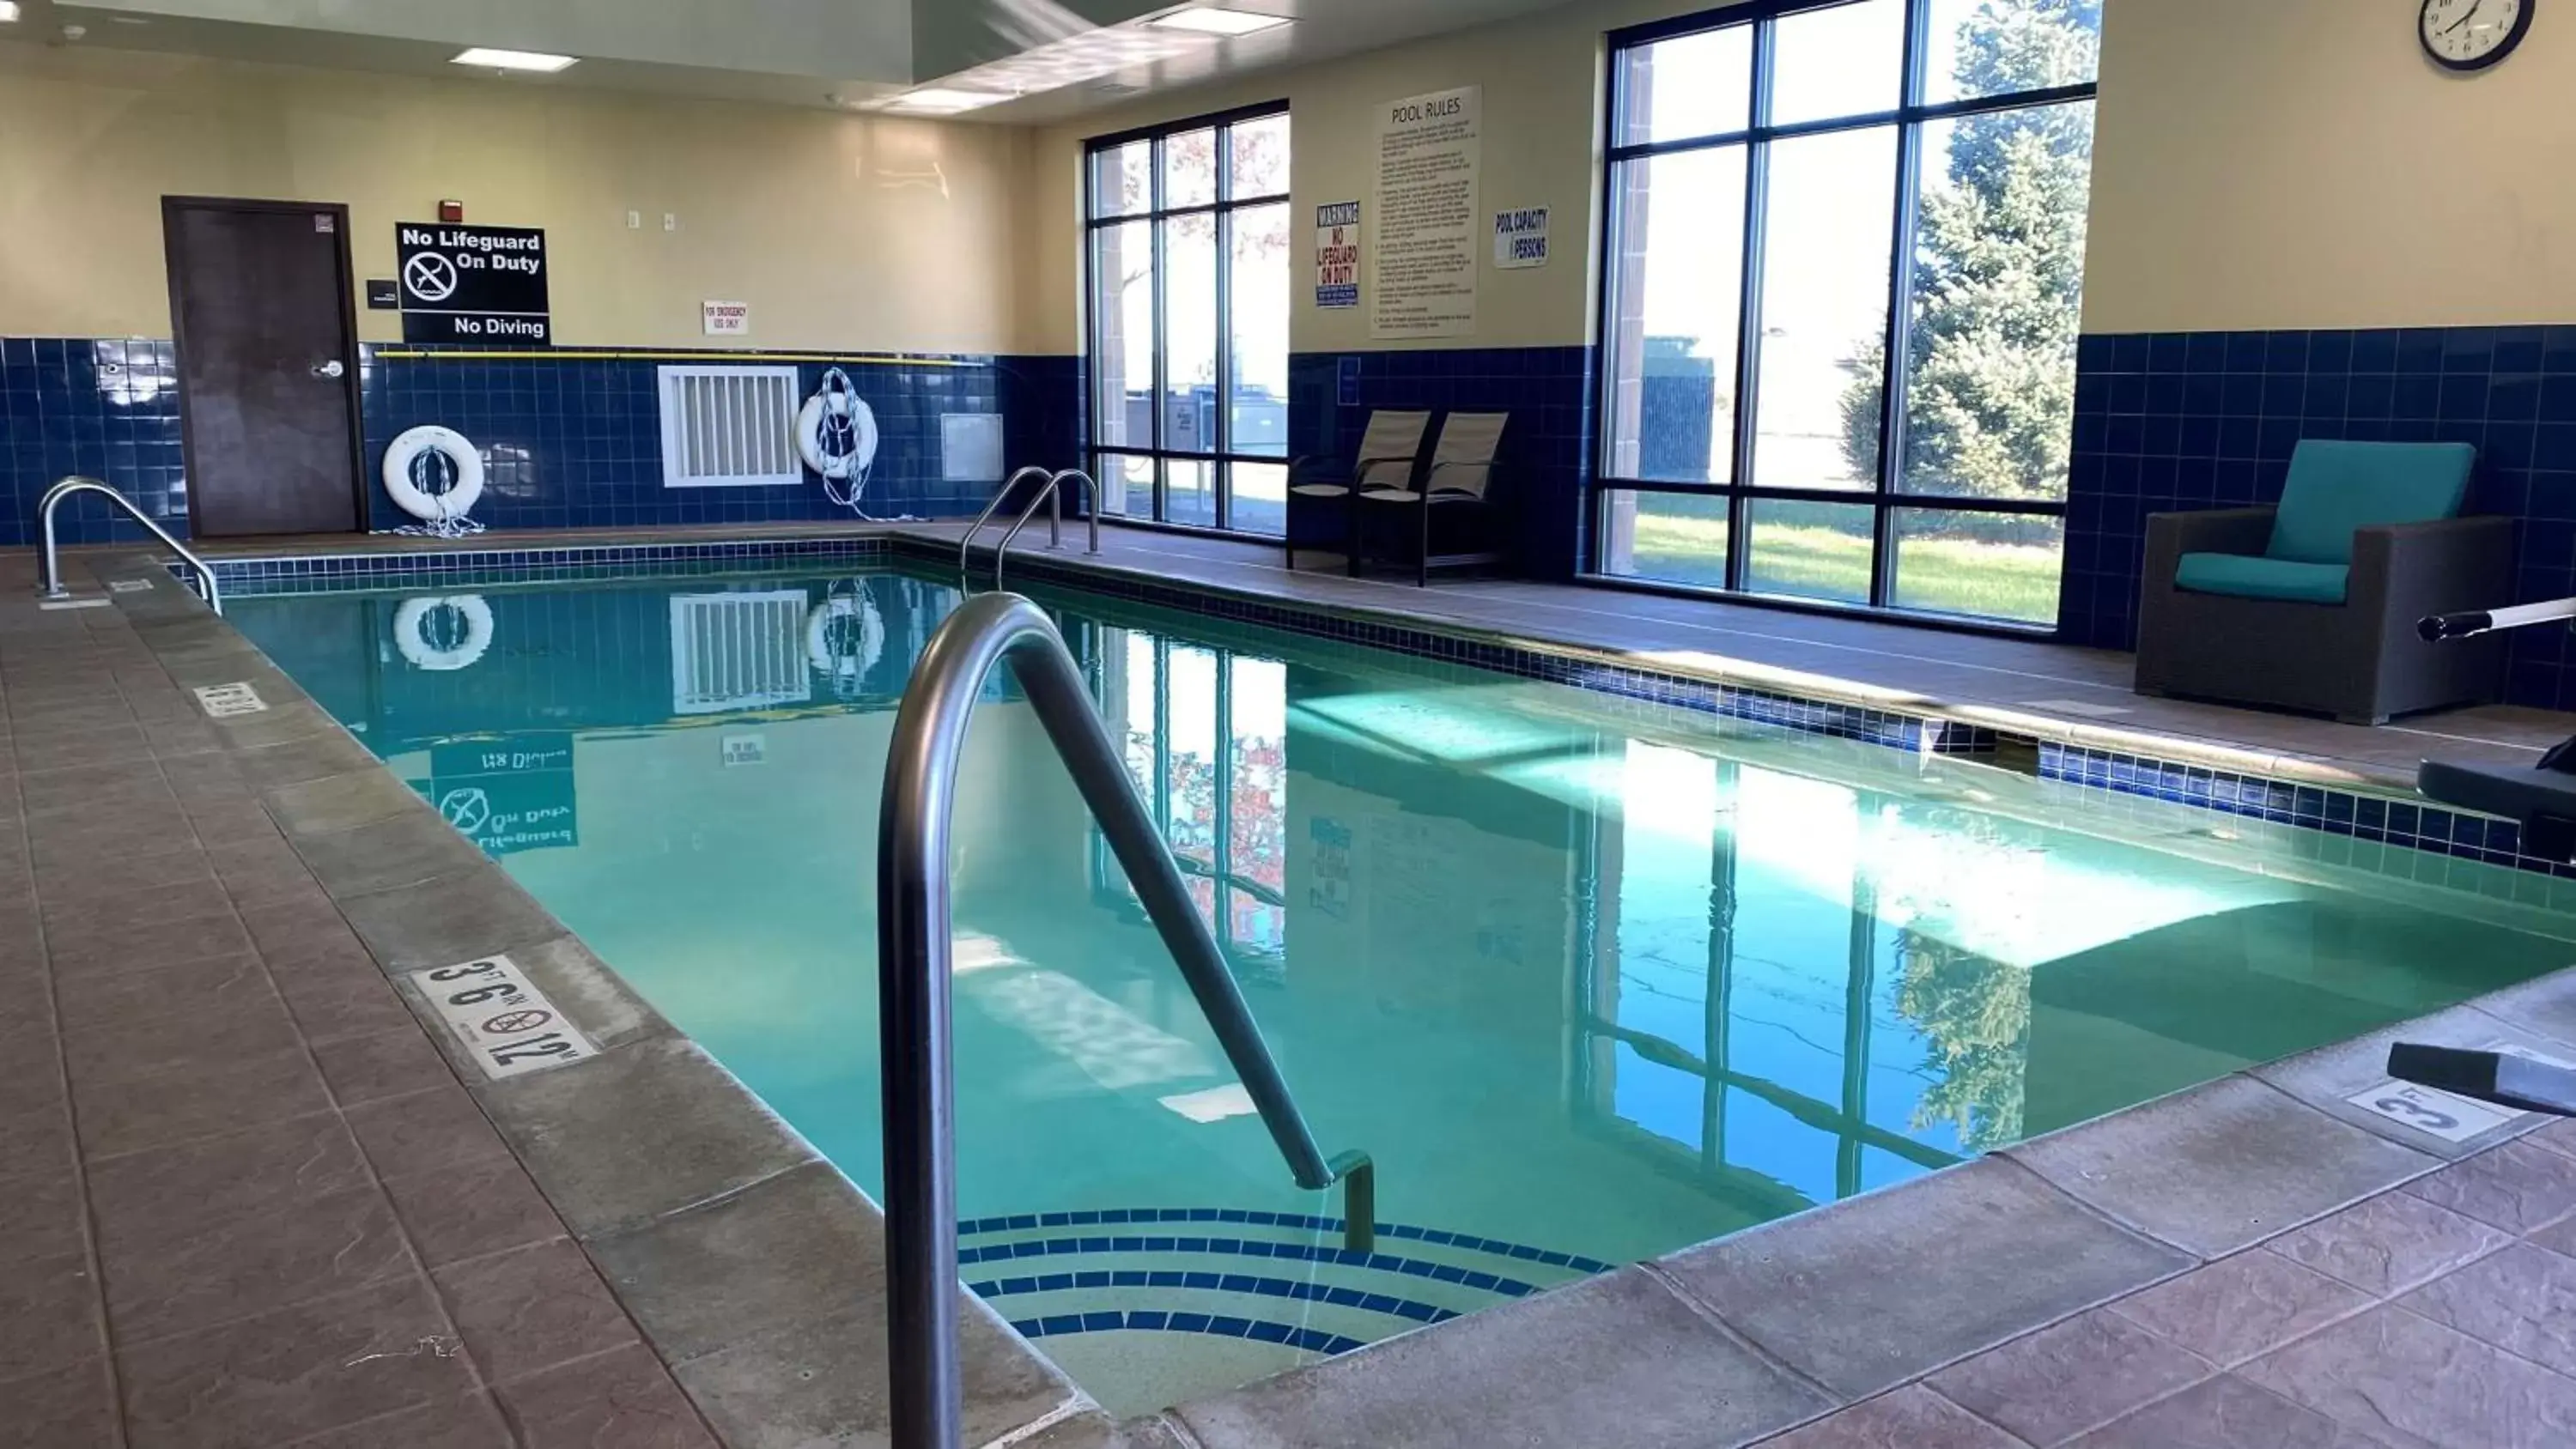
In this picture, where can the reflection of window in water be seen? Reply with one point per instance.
(1742, 1012)
(1205, 739)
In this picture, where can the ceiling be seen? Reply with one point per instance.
(793, 52)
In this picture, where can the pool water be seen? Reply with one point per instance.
(1590, 980)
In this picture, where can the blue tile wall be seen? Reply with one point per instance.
(1042, 411)
(577, 443)
(105, 407)
(1547, 447)
(571, 442)
(2171, 421)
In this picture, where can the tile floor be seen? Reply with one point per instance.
(2030, 685)
(243, 1199)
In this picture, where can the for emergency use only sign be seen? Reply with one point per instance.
(473, 283)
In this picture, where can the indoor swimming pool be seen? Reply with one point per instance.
(1590, 980)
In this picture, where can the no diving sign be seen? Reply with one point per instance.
(472, 283)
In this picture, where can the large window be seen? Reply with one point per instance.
(1799, 192)
(1188, 236)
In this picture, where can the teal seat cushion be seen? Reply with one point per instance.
(2248, 577)
(2338, 487)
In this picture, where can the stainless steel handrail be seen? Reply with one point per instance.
(1048, 493)
(995, 506)
(1055, 519)
(49, 566)
(913, 967)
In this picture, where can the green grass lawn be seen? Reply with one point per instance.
(1941, 575)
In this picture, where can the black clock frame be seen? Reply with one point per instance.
(2511, 43)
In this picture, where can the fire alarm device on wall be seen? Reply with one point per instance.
(451, 211)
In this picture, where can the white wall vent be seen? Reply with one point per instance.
(729, 427)
(738, 651)
(970, 447)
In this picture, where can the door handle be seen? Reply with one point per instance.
(328, 369)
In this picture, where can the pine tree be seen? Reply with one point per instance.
(1998, 273)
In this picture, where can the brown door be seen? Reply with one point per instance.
(268, 364)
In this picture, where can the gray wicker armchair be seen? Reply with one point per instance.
(2312, 605)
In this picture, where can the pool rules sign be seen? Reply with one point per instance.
(473, 283)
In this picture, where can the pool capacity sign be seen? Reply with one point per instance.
(473, 283)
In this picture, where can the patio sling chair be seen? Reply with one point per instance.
(2312, 605)
(1320, 514)
(1452, 518)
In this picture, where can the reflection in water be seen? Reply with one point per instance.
(1206, 742)
(1571, 980)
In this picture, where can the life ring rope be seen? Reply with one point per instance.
(836, 435)
(420, 455)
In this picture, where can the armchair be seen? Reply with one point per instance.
(1321, 500)
(2311, 605)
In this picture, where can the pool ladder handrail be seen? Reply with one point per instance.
(1049, 493)
(49, 564)
(914, 965)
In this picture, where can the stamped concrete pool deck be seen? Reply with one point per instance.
(249, 1195)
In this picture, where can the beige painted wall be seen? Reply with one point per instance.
(842, 232)
(1541, 76)
(2260, 164)
(2298, 163)
(2292, 163)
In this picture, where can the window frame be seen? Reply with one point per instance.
(1592, 1085)
(1106, 651)
(1884, 497)
(1101, 459)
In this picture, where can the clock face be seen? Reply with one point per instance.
(2473, 34)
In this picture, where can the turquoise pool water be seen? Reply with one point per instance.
(1590, 981)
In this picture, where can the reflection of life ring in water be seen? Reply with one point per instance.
(446, 633)
(844, 635)
(433, 474)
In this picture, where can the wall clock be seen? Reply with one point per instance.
(2470, 35)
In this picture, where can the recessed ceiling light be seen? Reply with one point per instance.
(943, 101)
(8, 11)
(512, 59)
(1207, 20)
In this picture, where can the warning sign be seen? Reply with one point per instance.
(473, 283)
(1337, 254)
(504, 1021)
(513, 793)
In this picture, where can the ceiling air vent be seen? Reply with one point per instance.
(729, 427)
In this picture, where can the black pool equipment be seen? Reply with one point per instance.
(2541, 797)
(2499, 1077)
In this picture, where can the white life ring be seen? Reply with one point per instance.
(460, 458)
(836, 431)
(420, 650)
(840, 661)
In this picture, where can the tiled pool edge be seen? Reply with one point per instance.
(1800, 1321)
(2278, 789)
(753, 1268)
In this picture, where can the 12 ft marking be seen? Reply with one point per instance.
(507, 1024)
